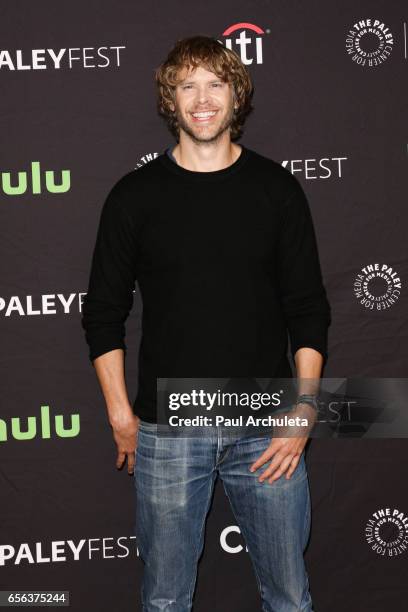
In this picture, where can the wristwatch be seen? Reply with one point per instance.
(308, 399)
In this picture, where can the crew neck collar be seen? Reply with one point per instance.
(213, 175)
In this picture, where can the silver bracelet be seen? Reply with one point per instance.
(308, 399)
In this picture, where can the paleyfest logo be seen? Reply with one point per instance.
(386, 532)
(377, 286)
(369, 42)
(248, 35)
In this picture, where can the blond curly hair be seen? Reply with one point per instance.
(212, 55)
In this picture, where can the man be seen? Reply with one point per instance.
(222, 244)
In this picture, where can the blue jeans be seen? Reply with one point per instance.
(174, 479)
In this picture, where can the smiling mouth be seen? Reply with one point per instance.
(203, 116)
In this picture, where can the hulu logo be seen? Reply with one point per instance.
(36, 177)
(43, 428)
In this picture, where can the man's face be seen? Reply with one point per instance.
(204, 104)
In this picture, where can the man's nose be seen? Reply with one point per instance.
(202, 95)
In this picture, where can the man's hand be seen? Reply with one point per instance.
(125, 433)
(285, 450)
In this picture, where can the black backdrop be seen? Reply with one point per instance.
(70, 129)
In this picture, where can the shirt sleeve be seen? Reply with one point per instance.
(109, 299)
(303, 296)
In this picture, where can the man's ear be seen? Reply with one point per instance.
(172, 105)
(236, 105)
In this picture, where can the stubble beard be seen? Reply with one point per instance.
(204, 139)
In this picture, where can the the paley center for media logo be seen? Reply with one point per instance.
(377, 286)
(386, 532)
(369, 42)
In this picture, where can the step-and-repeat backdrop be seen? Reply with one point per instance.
(77, 112)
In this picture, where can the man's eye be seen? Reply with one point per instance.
(186, 86)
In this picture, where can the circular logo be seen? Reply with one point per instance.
(146, 159)
(369, 42)
(386, 532)
(377, 286)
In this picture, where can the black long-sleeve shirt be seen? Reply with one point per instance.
(227, 265)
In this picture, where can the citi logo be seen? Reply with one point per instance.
(245, 41)
(34, 181)
(41, 428)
